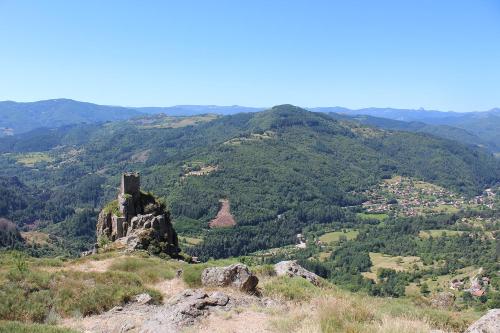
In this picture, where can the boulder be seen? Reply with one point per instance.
(443, 300)
(292, 269)
(142, 299)
(235, 275)
(489, 323)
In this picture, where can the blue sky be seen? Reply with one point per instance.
(433, 54)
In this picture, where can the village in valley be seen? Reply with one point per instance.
(404, 196)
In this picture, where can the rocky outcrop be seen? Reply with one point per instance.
(191, 304)
(443, 300)
(235, 275)
(489, 323)
(138, 220)
(187, 308)
(292, 269)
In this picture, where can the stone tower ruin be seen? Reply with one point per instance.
(131, 184)
(139, 221)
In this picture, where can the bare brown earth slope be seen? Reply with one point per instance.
(224, 217)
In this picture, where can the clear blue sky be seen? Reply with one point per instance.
(435, 54)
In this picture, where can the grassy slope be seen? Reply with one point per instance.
(325, 308)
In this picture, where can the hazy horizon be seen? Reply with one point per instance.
(241, 105)
(434, 55)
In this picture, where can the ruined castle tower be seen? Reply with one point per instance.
(130, 193)
(131, 184)
(140, 219)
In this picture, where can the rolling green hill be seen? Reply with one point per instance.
(281, 169)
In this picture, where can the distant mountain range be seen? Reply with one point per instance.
(477, 128)
(18, 118)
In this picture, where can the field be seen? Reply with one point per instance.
(399, 263)
(200, 170)
(35, 237)
(31, 159)
(444, 209)
(335, 236)
(190, 240)
(373, 216)
(424, 234)
(442, 282)
(163, 121)
(251, 138)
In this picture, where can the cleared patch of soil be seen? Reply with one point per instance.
(224, 217)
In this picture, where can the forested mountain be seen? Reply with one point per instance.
(286, 161)
(22, 117)
(485, 126)
(192, 110)
(443, 131)
(480, 128)
(18, 118)
(427, 116)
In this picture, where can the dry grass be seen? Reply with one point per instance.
(36, 237)
(33, 294)
(286, 288)
(329, 309)
(150, 270)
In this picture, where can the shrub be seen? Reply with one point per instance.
(37, 296)
(113, 208)
(149, 270)
(15, 327)
(294, 289)
(102, 241)
(340, 315)
(264, 270)
(191, 275)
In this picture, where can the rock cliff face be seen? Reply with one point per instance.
(138, 220)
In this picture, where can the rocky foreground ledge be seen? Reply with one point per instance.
(225, 289)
